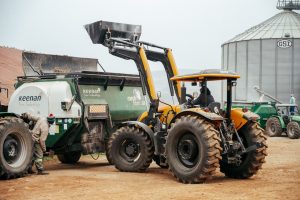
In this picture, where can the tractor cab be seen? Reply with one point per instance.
(205, 98)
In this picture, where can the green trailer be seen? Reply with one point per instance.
(87, 105)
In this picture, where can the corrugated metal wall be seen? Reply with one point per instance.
(262, 63)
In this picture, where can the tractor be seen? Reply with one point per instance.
(192, 141)
(284, 121)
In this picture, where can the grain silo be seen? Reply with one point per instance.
(267, 56)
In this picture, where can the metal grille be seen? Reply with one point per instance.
(97, 109)
(288, 5)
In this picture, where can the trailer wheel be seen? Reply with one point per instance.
(252, 161)
(16, 148)
(273, 127)
(108, 155)
(69, 157)
(193, 150)
(131, 149)
(293, 130)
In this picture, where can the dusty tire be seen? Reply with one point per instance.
(273, 127)
(251, 161)
(69, 157)
(293, 130)
(130, 149)
(193, 150)
(16, 148)
(107, 154)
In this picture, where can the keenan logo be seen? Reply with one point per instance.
(30, 98)
(91, 91)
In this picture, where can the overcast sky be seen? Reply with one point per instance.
(195, 30)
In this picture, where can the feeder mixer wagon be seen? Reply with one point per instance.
(87, 106)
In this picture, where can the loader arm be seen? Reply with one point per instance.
(131, 51)
(167, 59)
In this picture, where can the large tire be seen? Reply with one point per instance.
(252, 161)
(293, 130)
(107, 153)
(273, 127)
(69, 157)
(130, 149)
(193, 150)
(16, 148)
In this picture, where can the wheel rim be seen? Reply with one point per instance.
(291, 131)
(14, 150)
(130, 150)
(273, 128)
(188, 150)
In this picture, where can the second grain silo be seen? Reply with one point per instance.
(267, 56)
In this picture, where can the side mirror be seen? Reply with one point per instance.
(159, 94)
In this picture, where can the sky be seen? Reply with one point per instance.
(194, 29)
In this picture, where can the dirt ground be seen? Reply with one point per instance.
(90, 179)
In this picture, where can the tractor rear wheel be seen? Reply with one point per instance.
(193, 149)
(293, 130)
(130, 149)
(16, 148)
(273, 127)
(252, 161)
(69, 157)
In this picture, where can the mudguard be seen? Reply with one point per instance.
(240, 118)
(199, 112)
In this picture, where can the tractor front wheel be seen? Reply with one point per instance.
(293, 130)
(252, 161)
(193, 149)
(130, 149)
(273, 127)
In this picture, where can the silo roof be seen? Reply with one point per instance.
(285, 24)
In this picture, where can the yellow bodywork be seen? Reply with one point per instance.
(150, 82)
(164, 110)
(175, 71)
(200, 77)
(237, 118)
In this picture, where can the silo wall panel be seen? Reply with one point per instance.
(241, 69)
(296, 81)
(284, 73)
(224, 67)
(253, 69)
(268, 76)
(232, 62)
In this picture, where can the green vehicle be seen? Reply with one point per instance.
(264, 109)
(88, 106)
(284, 121)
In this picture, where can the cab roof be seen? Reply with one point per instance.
(208, 74)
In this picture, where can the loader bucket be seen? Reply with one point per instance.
(97, 31)
(35, 64)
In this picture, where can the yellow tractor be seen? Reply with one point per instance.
(192, 140)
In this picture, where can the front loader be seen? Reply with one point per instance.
(193, 140)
